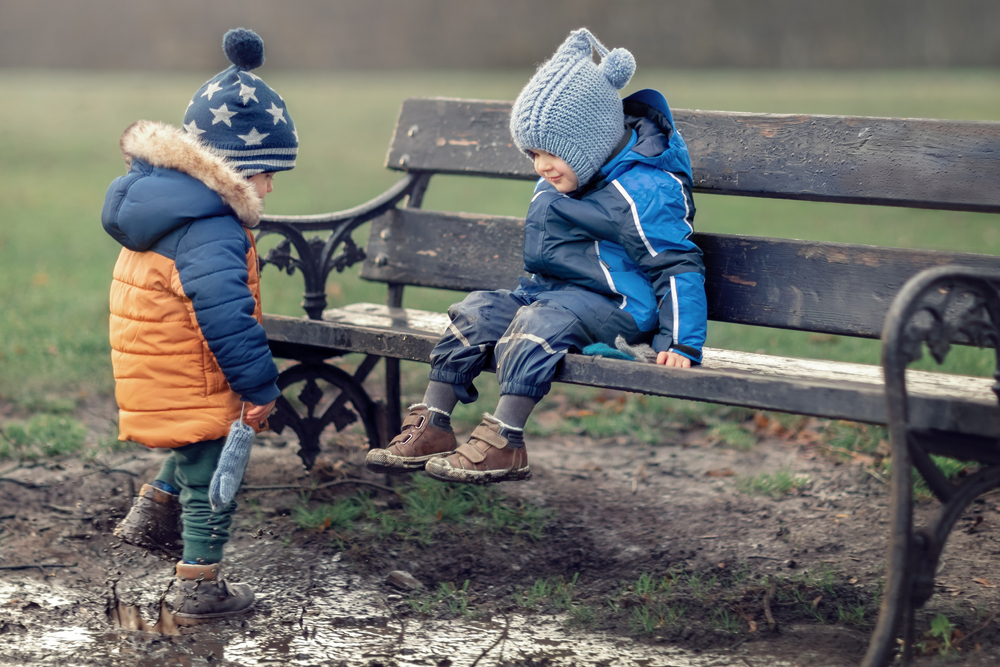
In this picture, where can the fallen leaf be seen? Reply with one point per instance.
(985, 582)
(817, 601)
(761, 420)
(720, 472)
(326, 524)
(580, 413)
(843, 516)
(753, 626)
(852, 580)
(863, 459)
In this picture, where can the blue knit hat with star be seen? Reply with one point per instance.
(239, 117)
(571, 107)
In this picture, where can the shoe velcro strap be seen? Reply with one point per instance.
(414, 419)
(490, 437)
(471, 452)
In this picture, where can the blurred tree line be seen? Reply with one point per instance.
(470, 34)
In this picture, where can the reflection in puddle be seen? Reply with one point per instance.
(338, 618)
(66, 637)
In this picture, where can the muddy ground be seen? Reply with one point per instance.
(614, 509)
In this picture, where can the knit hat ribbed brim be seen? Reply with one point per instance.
(571, 107)
(239, 117)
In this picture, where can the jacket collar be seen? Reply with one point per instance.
(164, 146)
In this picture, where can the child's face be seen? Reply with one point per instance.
(555, 171)
(262, 182)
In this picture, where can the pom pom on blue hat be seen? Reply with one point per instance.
(244, 48)
(239, 117)
(571, 107)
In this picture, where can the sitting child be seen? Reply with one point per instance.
(607, 241)
(188, 348)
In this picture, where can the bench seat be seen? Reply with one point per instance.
(827, 389)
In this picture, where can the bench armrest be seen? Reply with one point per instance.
(317, 257)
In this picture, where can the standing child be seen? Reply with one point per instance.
(188, 349)
(607, 241)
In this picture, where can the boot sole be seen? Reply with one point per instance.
(480, 477)
(129, 535)
(150, 546)
(391, 463)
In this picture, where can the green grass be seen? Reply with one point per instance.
(426, 506)
(776, 485)
(447, 597)
(44, 435)
(59, 137)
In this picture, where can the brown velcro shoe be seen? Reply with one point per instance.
(484, 459)
(418, 443)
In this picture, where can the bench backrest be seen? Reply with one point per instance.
(814, 286)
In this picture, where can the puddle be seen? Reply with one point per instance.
(324, 615)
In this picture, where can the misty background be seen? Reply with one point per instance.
(473, 34)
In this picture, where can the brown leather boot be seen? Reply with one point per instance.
(418, 443)
(203, 593)
(484, 459)
(153, 522)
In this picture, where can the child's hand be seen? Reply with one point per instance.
(255, 414)
(673, 359)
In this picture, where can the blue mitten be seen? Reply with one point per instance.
(232, 463)
(622, 350)
(605, 350)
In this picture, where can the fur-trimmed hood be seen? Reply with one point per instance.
(167, 147)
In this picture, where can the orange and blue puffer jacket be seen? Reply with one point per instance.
(186, 337)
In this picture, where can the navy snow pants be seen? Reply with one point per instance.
(527, 332)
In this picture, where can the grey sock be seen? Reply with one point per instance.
(514, 410)
(441, 397)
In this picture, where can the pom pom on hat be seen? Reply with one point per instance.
(571, 107)
(244, 48)
(618, 68)
(239, 117)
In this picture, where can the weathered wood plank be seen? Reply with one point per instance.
(456, 251)
(919, 163)
(831, 288)
(819, 388)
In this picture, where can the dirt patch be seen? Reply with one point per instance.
(654, 545)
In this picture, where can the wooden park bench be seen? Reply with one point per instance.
(908, 298)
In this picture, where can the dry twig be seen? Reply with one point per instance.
(771, 590)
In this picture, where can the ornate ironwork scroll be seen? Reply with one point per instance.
(314, 257)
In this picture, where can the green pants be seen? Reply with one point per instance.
(189, 468)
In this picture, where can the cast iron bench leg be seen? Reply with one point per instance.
(309, 426)
(935, 308)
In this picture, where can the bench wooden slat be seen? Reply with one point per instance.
(819, 388)
(951, 165)
(833, 288)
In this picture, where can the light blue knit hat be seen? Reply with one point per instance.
(239, 117)
(571, 107)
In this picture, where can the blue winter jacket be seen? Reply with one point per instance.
(187, 342)
(627, 233)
